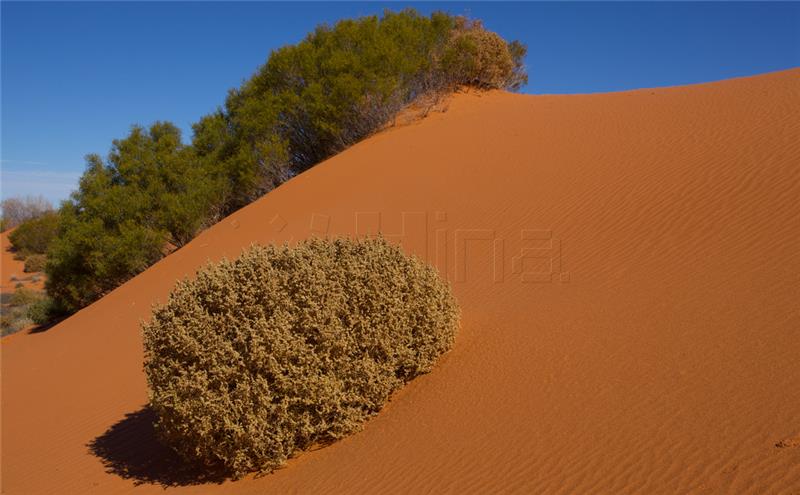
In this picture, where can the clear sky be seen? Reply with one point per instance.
(77, 75)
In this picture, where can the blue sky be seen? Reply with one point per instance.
(77, 75)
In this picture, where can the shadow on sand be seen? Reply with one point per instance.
(131, 450)
(45, 327)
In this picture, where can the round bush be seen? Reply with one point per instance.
(35, 263)
(480, 58)
(287, 347)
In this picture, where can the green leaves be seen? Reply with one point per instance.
(151, 193)
(306, 103)
(34, 236)
(344, 82)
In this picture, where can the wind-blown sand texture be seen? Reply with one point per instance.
(654, 346)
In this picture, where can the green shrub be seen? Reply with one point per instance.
(309, 101)
(44, 310)
(34, 236)
(35, 263)
(283, 348)
(343, 83)
(24, 308)
(91, 258)
(146, 196)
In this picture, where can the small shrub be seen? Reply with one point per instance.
(13, 320)
(24, 296)
(283, 348)
(34, 236)
(44, 310)
(17, 310)
(35, 263)
(479, 58)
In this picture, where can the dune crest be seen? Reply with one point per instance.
(627, 267)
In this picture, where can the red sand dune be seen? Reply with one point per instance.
(652, 347)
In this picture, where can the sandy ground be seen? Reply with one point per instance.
(14, 268)
(629, 272)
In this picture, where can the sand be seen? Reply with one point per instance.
(646, 342)
(12, 268)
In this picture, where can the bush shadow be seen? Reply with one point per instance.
(131, 450)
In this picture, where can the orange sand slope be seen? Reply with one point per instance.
(628, 269)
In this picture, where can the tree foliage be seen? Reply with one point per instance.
(147, 195)
(306, 103)
(342, 83)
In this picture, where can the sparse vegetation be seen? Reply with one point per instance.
(24, 297)
(15, 211)
(32, 237)
(283, 348)
(22, 309)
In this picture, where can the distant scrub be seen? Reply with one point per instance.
(24, 297)
(309, 101)
(283, 348)
(24, 308)
(34, 235)
(17, 210)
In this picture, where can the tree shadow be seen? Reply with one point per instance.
(46, 326)
(131, 450)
